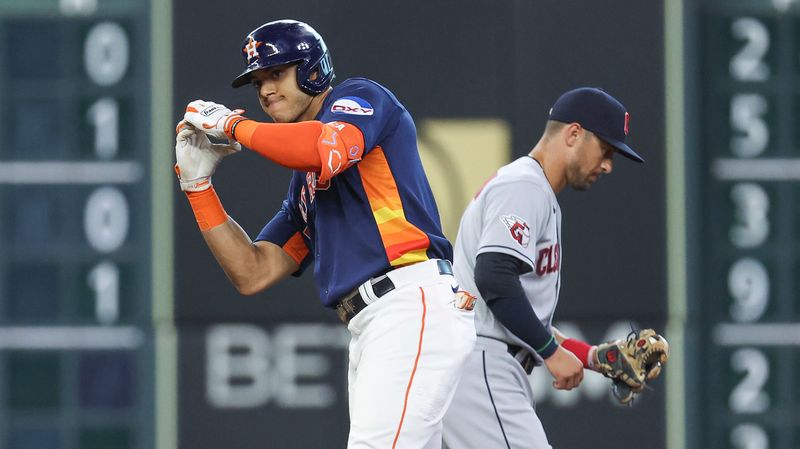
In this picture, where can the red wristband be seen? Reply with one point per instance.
(579, 348)
(208, 210)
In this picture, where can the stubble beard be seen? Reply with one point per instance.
(576, 180)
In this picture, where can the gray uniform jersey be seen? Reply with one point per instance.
(515, 213)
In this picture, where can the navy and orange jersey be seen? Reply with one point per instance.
(376, 213)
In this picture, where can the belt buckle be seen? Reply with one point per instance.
(528, 363)
(345, 307)
(523, 357)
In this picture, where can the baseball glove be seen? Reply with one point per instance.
(632, 363)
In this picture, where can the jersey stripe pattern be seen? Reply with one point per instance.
(376, 213)
(404, 242)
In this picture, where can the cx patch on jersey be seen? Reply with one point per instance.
(519, 229)
(352, 106)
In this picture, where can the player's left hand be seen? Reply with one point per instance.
(197, 158)
(212, 118)
(632, 363)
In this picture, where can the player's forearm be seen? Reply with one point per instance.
(517, 315)
(313, 146)
(497, 279)
(250, 267)
(235, 253)
(292, 145)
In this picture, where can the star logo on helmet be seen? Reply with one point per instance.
(251, 47)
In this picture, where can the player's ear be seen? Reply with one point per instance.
(571, 133)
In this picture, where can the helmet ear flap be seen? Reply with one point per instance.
(322, 68)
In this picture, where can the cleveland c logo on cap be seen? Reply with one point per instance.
(627, 121)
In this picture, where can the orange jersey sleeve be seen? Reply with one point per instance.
(324, 148)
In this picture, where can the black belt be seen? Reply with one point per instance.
(527, 362)
(352, 304)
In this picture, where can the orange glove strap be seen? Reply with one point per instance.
(207, 208)
(292, 145)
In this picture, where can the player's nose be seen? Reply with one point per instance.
(607, 165)
(266, 89)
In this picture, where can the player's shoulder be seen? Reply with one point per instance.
(360, 99)
(362, 83)
(363, 87)
(522, 174)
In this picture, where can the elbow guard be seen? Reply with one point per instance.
(340, 145)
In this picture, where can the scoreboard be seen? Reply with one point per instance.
(77, 225)
(743, 167)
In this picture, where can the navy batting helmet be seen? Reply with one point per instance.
(285, 41)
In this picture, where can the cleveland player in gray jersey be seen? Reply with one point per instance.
(508, 252)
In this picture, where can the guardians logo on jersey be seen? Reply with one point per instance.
(519, 229)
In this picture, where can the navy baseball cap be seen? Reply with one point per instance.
(598, 112)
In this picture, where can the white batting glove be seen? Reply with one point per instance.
(212, 118)
(197, 157)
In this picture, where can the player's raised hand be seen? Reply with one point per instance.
(197, 157)
(212, 118)
(565, 368)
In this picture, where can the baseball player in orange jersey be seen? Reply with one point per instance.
(360, 210)
(508, 251)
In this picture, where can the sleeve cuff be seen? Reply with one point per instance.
(548, 349)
